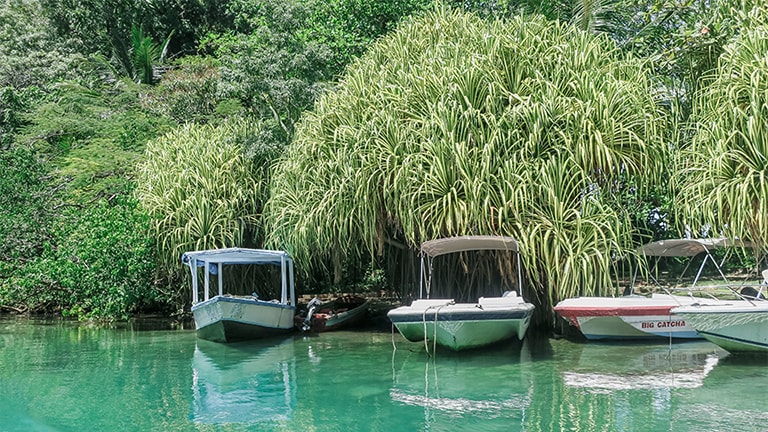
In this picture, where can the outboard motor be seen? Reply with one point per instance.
(311, 306)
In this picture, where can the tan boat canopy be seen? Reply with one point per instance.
(442, 246)
(687, 247)
(448, 245)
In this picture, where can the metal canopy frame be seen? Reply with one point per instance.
(686, 247)
(213, 262)
(443, 246)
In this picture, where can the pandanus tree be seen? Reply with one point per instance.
(453, 125)
(722, 173)
(203, 188)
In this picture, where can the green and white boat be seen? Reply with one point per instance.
(461, 326)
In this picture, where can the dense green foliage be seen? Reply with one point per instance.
(558, 133)
(285, 54)
(102, 266)
(203, 187)
(72, 239)
(454, 126)
(24, 214)
(189, 93)
(84, 127)
(92, 138)
(724, 169)
(29, 53)
(106, 26)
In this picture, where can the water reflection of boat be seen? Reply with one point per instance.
(492, 385)
(243, 383)
(732, 395)
(607, 367)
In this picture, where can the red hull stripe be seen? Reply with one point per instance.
(574, 312)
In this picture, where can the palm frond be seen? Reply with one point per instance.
(453, 125)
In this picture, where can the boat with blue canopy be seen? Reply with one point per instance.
(227, 317)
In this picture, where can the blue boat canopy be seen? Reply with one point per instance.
(235, 256)
(213, 260)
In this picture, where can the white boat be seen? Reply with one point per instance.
(461, 326)
(226, 317)
(736, 326)
(631, 316)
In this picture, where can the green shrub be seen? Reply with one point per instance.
(102, 267)
(24, 209)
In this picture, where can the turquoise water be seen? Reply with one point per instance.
(61, 376)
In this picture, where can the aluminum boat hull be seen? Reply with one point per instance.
(736, 326)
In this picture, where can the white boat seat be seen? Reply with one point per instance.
(499, 301)
(431, 302)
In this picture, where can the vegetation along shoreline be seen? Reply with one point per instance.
(348, 135)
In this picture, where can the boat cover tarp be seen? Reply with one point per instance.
(235, 256)
(447, 245)
(687, 247)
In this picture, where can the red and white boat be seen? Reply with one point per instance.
(633, 316)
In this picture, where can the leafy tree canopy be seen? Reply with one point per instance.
(453, 125)
(722, 173)
(105, 26)
(30, 54)
(91, 137)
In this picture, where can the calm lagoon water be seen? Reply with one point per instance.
(63, 376)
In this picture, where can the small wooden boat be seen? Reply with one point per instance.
(343, 312)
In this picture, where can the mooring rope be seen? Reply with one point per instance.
(434, 333)
(434, 329)
(424, 322)
(394, 346)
